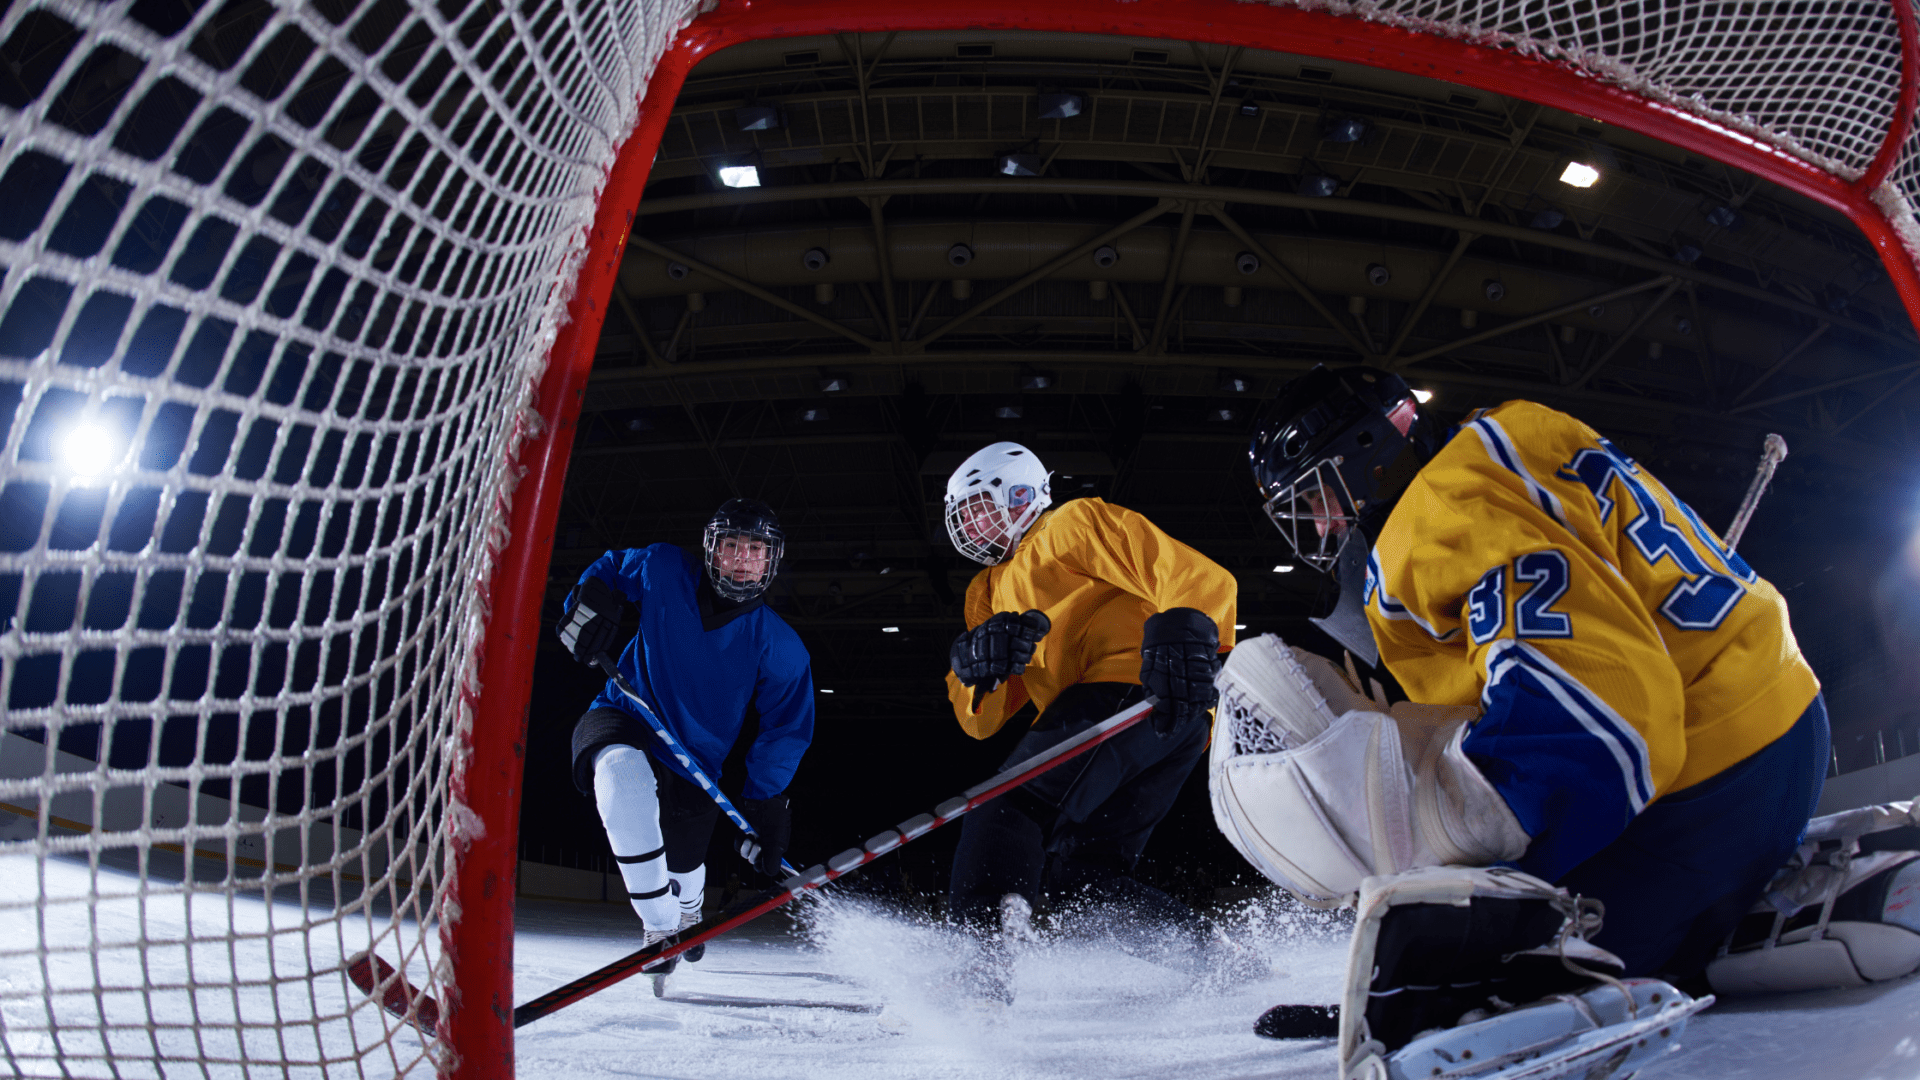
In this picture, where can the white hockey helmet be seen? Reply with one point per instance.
(993, 498)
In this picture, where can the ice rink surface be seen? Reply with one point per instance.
(855, 991)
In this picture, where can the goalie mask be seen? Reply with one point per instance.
(743, 544)
(993, 498)
(1332, 454)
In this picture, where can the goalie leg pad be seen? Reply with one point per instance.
(1442, 955)
(1871, 938)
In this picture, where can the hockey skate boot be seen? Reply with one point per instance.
(688, 920)
(989, 975)
(659, 974)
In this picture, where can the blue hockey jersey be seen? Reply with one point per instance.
(1618, 651)
(701, 681)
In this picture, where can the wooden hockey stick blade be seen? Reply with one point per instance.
(847, 861)
(369, 972)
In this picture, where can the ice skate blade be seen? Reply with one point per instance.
(1555, 1038)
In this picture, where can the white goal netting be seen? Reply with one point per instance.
(278, 281)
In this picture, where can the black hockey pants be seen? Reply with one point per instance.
(1078, 828)
(687, 814)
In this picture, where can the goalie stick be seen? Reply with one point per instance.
(605, 663)
(378, 979)
(1771, 455)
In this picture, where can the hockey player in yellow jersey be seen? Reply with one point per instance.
(1622, 711)
(1077, 608)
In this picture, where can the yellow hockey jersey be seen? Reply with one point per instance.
(1097, 571)
(1617, 649)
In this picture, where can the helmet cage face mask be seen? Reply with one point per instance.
(1314, 513)
(987, 524)
(752, 571)
(1333, 455)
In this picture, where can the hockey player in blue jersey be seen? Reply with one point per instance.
(1609, 715)
(707, 651)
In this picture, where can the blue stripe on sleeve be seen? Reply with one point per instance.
(1499, 447)
(1571, 769)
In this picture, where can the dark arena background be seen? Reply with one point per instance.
(338, 337)
(962, 187)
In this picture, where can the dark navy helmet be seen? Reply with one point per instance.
(742, 544)
(1332, 453)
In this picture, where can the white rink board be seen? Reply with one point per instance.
(871, 1003)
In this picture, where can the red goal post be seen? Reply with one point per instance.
(1873, 177)
(1816, 97)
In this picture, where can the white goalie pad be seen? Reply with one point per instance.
(1834, 952)
(1320, 786)
(1605, 1027)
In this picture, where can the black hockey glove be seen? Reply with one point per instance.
(772, 821)
(590, 622)
(998, 649)
(1179, 653)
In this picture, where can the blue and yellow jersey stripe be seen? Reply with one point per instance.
(1617, 650)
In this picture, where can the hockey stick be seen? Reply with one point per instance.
(1771, 456)
(605, 663)
(380, 981)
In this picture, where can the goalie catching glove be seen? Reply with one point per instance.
(998, 649)
(590, 621)
(772, 821)
(1179, 654)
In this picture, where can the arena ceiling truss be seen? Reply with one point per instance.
(1113, 249)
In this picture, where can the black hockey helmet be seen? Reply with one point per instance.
(745, 534)
(1333, 452)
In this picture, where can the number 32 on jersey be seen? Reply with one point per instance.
(1543, 575)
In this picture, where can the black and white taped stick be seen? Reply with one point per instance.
(606, 664)
(1770, 458)
(379, 980)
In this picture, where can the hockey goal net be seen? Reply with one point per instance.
(283, 285)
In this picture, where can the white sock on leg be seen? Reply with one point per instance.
(690, 886)
(623, 786)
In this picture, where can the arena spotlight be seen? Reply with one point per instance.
(1579, 174)
(1315, 184)
(1344, 129)
(756, 118)
(1423, 396)
(88, 449)
(1061, 106)
(1547, 218)
(1283, 568)
(1725, 217)
(740, 176)
(1019, 165)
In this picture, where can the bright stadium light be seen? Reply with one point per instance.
(88, 449)
(740, 175)
(1283, 568)
(824, 690)
(1423, 396)
(889, 629)
(1579, 174)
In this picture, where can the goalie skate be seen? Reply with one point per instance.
(1590, 1035)
(1441, 956)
